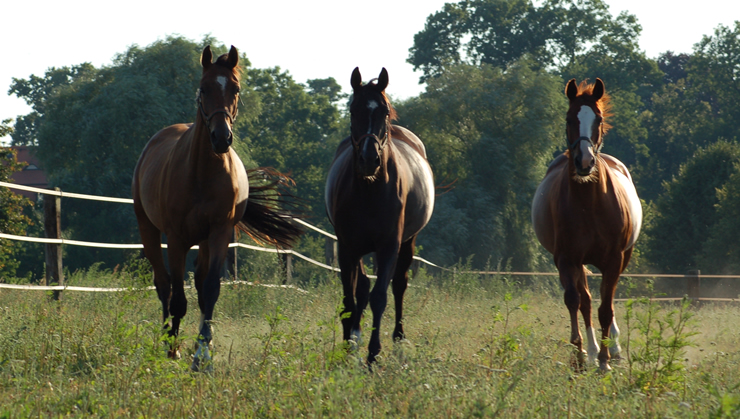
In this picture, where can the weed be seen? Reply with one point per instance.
(656, 344)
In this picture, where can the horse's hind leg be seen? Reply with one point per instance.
(400, 283)
(151, 237)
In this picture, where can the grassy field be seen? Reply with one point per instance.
(477, 347)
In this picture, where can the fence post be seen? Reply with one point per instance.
(415, 265)
(693, 284)
(53, 230)
(330, 250)
(231, 255)
(288, 269)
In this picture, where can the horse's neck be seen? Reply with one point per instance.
(599, 185)
(196, 148)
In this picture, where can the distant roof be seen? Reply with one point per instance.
(31, 175)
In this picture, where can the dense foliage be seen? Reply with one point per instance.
(491, 116)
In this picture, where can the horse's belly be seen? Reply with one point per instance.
(542, 220)
(632, 205)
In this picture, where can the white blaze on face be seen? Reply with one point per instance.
(586, 119)
(371, 105)
(221, 80)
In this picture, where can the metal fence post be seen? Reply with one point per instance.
(53, 230)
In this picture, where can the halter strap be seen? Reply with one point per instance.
(208, 117)
(573, 146)
(375, 137)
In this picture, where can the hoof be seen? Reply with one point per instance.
(173, 353)
(201, 365)
(202, 361)
(604, 367)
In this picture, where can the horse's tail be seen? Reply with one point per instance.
(270, 209)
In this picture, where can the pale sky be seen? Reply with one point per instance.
(310, 39)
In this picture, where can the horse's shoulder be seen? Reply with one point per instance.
(343, 145)
(405, 135)
(557, 163)
(617, 165)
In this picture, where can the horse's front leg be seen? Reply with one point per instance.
(349, 267)
(569, 276)
(208, 294)
(610, 278)
(387, 256)
(592, 343)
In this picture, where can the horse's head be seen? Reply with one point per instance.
(371, 114)
(585, 126)
(218, 96)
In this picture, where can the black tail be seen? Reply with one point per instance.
(268, 219)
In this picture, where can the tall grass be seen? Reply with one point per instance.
(476, 347)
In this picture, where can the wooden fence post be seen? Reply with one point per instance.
(693, 285)
(53, 230)
(415, 265)
(231, 256)
(288, 258)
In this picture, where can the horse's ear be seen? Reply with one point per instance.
(598, 91)
(382, 79)
(206, 59)
(233, 57)
(356, 81)
(571, 90)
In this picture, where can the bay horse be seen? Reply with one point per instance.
(586, 211)
(379, 195)
(191, 185)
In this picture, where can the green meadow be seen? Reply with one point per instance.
(477, 346)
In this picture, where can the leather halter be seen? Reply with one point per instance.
(208, 117)
(572, 147)
(382, 142)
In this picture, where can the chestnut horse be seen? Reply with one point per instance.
(379, 195)
(586, 211)
(190, 185)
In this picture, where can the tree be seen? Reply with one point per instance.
(12, 209)
(687, 211)
(499, 32)
(493, 131)
(721, 250)
(297, 132)
(699, 106)
(91, 124)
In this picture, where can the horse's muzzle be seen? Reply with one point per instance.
(221, 140)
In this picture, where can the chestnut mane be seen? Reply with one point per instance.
(586, 90)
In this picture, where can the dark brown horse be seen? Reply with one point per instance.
(190, 185)
(586, 211)
(379, 195)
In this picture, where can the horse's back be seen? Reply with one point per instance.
(405, 135)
